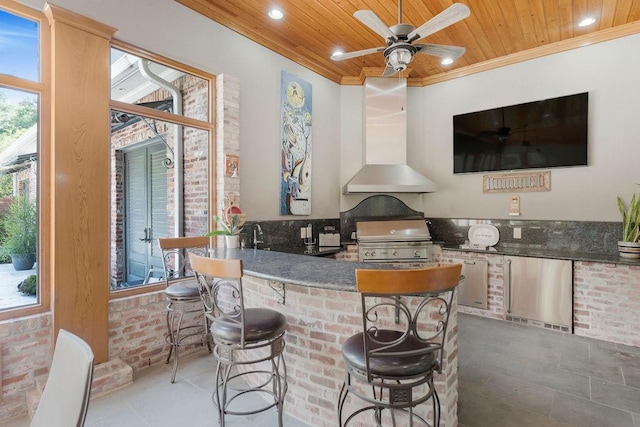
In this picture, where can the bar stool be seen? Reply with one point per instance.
(404, 316)
(182, 294)
(242, 337)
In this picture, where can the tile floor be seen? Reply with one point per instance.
(516, 375)
(153, 401)
(510, 375)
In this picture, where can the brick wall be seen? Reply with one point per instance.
(29, 174)
(607, 302)
(137, 330)
(26, 355)
(349, 254)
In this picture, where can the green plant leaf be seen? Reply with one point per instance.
(231, 227)
(630, 218)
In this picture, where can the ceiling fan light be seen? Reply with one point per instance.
(399, 59)
(447, 61)
(275, 14)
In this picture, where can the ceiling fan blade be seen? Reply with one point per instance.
(449, 16)
(388, 71)
(355, 54)
(372, 21)
(443, 51)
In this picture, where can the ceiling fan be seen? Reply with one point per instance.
(400, 38)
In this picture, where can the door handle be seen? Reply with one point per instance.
(146, 236)
(507, 278)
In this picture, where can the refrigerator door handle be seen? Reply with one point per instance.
(507, 278)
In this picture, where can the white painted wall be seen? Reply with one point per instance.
(608, 71)
(167, 28)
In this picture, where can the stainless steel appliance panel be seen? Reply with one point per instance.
(400, 240)
(390, 252)
(473, 288)
(539, 289)
(398, 230)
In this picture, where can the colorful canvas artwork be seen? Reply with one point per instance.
(296, 144)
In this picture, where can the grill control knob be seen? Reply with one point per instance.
(394, 253)
(416, 254)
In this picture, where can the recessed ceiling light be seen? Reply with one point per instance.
(587, 21)
(447, 61)
(276, 14)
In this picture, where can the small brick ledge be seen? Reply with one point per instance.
(107, 377)
(110, 376)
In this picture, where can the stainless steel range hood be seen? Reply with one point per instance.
(385, 144)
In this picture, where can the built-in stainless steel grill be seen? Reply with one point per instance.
(405, 240)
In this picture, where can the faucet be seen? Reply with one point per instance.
(309, 239)
(258, 236)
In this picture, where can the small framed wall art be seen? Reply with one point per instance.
(231, 165)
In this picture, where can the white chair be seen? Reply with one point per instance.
(66, 395)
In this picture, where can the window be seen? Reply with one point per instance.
(160, 155)
(21, 93)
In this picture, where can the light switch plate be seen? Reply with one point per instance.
(514, 205)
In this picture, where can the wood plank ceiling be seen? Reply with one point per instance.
(498, 32)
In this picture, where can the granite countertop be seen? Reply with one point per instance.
(540, 252)
(313, 271)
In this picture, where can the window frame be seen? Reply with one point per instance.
(43, 89)
(175, 119)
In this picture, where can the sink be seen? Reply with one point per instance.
(303, 250)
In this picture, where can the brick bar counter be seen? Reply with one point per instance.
(318, 296)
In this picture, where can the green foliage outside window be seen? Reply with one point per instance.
(29, 286)
(15, 119)
(20, 224)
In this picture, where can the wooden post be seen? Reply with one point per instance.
(80, 176)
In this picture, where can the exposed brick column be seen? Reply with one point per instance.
(227, 137)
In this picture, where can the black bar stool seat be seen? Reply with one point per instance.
(390, 366)
(187, 289)
(259, 324)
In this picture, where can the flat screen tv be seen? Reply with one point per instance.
(541, 134)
